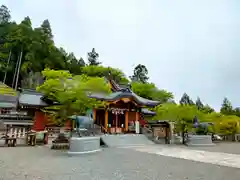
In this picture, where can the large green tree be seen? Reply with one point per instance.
(150, 91)
(101, 71)
(226, 108)
(186, 100)
(4, 14)
(34, 46)
(71, 92)
(199, 104)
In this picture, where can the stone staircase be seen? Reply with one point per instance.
(123, 140)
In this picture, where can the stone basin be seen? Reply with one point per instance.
(84, 145)
(200, 140)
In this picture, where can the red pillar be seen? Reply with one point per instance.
(40, 120)
(68, 125)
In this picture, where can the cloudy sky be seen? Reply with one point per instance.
(188, 46)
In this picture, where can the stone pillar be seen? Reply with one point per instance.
(137, 126)
(171, 129)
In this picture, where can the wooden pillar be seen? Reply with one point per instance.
(73, 124)
(94, 115)
(137, 116)
(126, 120)
(106, 119)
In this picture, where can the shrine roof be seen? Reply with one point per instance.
(146, 111)
(30, 97)
(124, 94)
(119, 91)
(7, 105)
(8, 96)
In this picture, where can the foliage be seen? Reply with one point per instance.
(93, 58)
(37, 47)
(199, 104)
(183, 115)
(101, 71)
(71, 92)
(207, 109)
(4, 15)
(32, 80)
(228, 126)
(140, 74)
(226, 107)
(150, 91)
(186, 100)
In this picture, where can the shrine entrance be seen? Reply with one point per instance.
(116, 120)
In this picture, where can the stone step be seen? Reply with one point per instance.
(125, 140)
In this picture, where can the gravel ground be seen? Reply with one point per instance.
(30, 163)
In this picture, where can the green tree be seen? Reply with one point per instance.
(93, 58)
(199, 104)
(226, 108)
(186, 100)
(75, 64)
(101, 71)
(150, 91)
(71, 92)
(236, 111)
(46, 28)
(228, 126)
(140, 73)
(4, 14)
(36, 47)
(207, 109)
(32, 80)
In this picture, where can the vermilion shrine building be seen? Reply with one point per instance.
(123, 109)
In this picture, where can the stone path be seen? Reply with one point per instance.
(30, 163)
(217, 158)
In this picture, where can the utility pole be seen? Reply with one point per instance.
(15, 72)
(19, 67)
(5, 75)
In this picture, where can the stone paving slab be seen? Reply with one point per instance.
(30, 163)
(218, 158)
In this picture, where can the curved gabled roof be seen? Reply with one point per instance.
(126, 92)
(118, 95)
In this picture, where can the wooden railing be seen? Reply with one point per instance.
(147, 131)
(104, 130)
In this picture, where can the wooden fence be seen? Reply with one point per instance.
(234, 137)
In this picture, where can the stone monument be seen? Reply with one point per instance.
(201, 138)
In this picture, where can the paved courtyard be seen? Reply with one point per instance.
(226, 147)
(131, 163)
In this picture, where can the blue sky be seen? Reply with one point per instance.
(187, 45)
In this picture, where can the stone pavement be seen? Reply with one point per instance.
(217, 158)
(30, 163)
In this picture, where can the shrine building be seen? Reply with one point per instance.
(124, 109)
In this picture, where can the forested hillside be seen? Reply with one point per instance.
(25, 52)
